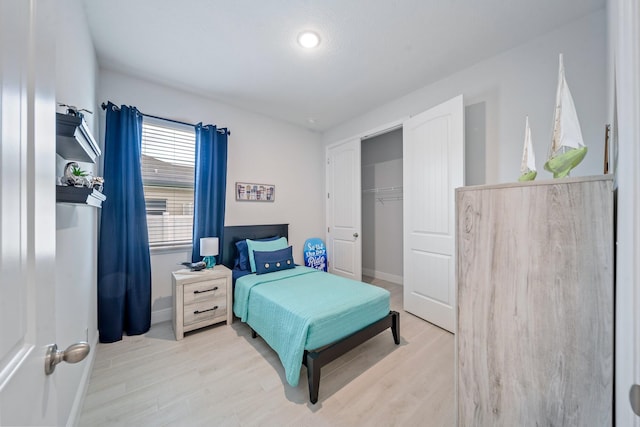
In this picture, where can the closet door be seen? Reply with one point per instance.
(344, 209)
(433, 144)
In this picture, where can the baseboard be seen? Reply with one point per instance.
(368, 272)
(393, 278)
(78, 402)
(160, 316)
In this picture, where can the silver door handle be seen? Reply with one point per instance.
(634, 398)
(73, 354)
(355, 235)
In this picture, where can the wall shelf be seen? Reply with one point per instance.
(79, 195)
(74, 140)
(385, 194)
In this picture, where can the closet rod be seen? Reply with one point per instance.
(388, 199)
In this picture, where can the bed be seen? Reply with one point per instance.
(307, 316)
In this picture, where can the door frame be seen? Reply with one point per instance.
(625, 19)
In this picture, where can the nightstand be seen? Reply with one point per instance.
(201, 298)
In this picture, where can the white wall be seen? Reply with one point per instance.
(382, 220)
(261, 150)
(509, 86)
(76, 226)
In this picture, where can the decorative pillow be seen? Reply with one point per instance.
(271, 245)
(266, 262)
(242, 260)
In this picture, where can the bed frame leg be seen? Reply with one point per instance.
(395, 326)
(313, 377)
(253, 333)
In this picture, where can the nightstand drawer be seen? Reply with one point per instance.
(204, 291)
(205, 310)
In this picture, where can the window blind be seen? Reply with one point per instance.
(168, 165)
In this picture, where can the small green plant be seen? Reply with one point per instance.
(76, 171)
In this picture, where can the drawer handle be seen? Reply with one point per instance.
(206, 290)
(204, 311)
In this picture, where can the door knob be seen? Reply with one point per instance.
(634, 397)
(73, 354)
(355, 235)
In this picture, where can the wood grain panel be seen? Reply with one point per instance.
(535, 303)
(344, 214)
(428, 269)
(343, 256)
(430, 174)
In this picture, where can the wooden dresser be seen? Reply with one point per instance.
(534, 342)
(201, 298)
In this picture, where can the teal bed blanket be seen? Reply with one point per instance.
(305, 309)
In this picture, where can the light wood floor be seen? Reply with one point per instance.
(219, 376)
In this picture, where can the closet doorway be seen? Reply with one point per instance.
(432, 167)
(382, 212)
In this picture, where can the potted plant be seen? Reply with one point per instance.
(78, 176)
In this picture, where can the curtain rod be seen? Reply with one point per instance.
(220, 130)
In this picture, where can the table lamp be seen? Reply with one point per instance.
(209, 250)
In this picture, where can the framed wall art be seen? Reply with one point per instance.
(248, 192)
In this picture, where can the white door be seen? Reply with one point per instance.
(343, 209)
(433, 144)
(27, 211)
(625, 25)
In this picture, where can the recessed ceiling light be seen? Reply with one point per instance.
(308, 39)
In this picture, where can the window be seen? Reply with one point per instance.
(168, 164)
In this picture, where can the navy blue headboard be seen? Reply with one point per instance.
(234, 233)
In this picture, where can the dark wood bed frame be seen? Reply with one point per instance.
(314, 360)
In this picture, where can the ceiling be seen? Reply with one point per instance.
(244, 52)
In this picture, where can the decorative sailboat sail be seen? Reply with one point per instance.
(567, 147)
(528, 167)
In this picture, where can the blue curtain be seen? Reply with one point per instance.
(124, 266)
(209, 186)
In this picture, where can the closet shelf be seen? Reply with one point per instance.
(385, 194)
(383, 190)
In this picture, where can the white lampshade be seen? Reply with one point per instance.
(208, 246)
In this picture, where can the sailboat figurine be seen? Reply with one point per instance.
(567, 147)
(528, 167)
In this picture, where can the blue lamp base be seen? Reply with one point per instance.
(210, 261)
